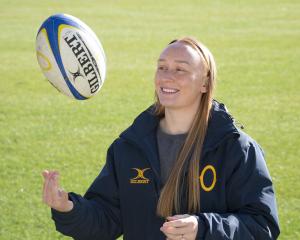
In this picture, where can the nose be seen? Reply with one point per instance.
(167, 75)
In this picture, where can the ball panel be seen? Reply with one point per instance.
(100, 56)
(43, 61)
(71, 65)
(77, 53)
(48, 64)
(53, 40)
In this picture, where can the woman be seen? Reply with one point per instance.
(182, 170)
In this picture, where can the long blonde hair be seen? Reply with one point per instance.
(170, 200)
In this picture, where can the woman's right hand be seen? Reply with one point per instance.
(54, 196)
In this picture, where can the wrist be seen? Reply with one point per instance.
(70, 206)
(66, 208)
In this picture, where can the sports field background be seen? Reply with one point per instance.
(256, 46)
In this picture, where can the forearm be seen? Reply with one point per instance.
(87, 220)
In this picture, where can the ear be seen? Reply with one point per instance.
(203, 84)
(203, 88)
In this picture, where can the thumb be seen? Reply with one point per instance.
(62, 193)
(176, 217)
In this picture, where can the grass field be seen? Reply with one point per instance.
(256, 46)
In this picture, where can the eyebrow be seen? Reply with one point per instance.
(178, 61)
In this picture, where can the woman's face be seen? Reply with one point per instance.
(179, 81)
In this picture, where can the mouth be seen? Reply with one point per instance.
(168, 90)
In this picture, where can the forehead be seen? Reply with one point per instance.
(179, 51)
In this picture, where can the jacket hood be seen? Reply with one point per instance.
(220, 125)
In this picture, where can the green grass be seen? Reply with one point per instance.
(256, 46)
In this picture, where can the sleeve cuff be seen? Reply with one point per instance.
(201, 227)
(65, 217)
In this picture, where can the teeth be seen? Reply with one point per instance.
(168, 90)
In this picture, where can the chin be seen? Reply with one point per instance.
(169, 105)
(167, 102)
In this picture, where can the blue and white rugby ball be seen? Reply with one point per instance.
(71, 56)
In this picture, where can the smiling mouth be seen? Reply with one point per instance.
(169, 90)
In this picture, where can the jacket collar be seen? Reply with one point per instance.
(220, 125)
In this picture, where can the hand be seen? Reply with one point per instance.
(180, 227)
(54, 196)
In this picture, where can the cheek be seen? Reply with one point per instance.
(156, 82)
(198, 84)
(190, 82)
(156, 79)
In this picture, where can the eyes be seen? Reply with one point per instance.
(164, 68)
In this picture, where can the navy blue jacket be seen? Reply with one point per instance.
(237, 196)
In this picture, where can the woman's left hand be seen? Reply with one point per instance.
(180, 227)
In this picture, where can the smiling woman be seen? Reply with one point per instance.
(182, 170)
(179, 82)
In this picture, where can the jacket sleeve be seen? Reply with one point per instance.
(252, 211)
(97, 214)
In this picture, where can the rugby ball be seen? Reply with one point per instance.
(71, 56)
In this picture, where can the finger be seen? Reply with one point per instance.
(54, 185)
(46, 175)
(179, 223)
(190, 236)
(52, 192)
(55, 178)
(172, 218)
(174, 230)
(48, 188)
(176, 217)
(173, 236)
(63, 194)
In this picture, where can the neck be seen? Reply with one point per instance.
(178, 121)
